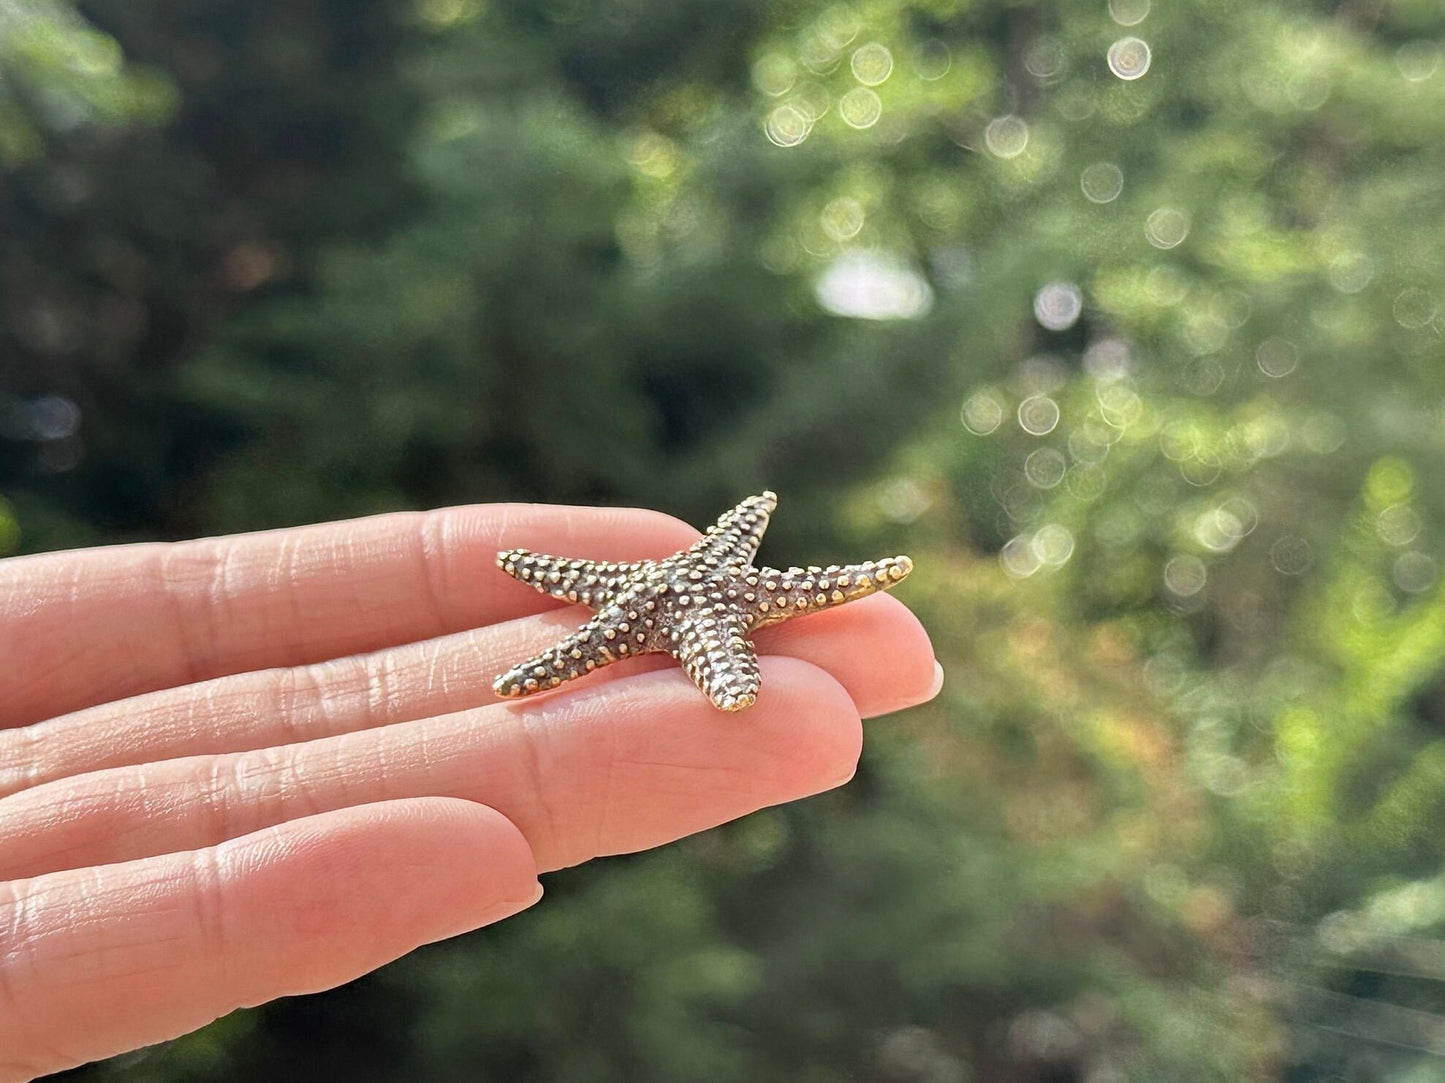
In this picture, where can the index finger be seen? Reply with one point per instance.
(90, 626)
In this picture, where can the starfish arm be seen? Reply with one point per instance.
(792, 593)
(719, 660)
(589, 582)
(735, 537)
(597, 643)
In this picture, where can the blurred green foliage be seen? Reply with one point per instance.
(1156, 407)
(58, 73)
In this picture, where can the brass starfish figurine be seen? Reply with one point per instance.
(699, 605)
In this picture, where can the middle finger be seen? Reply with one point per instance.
(875, 648)
(620, 766)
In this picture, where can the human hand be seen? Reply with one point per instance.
(249, 767)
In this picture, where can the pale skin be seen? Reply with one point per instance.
(249, 767)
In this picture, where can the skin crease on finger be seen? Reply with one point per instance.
(875, 648)
(624, 766)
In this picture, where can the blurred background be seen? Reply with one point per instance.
(1125, 321)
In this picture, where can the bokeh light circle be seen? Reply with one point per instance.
(1058, 305)
(1045, 467)
(1129, 58)
(1219, 530)
(1414, 309)
(1417, 60)
(1398, 525)
(1128, 12)
(1291, 555)
(1202, 468)
(932, 60)
(860, 107)
(1277, 357)
(1351, 272)
(1101, 182)
(872, 64)
(1006, 136)
(1166, 227)
(775, 74)
(1018, 557)
(1107, 359)
(842, 219)
(982, 413)
(1053, 544)
(787, 126)
(1185, 575)
(1415, 572)
(1045, 59)
(1119, 405)
(1038, 415)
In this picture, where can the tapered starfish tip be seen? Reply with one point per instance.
(764, 502)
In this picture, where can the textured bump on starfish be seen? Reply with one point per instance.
(700, 605)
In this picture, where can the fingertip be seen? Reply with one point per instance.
(827, 749)
(497, 871)
(876, 647)
(916, 676)
(349, 890)
(937, 685)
